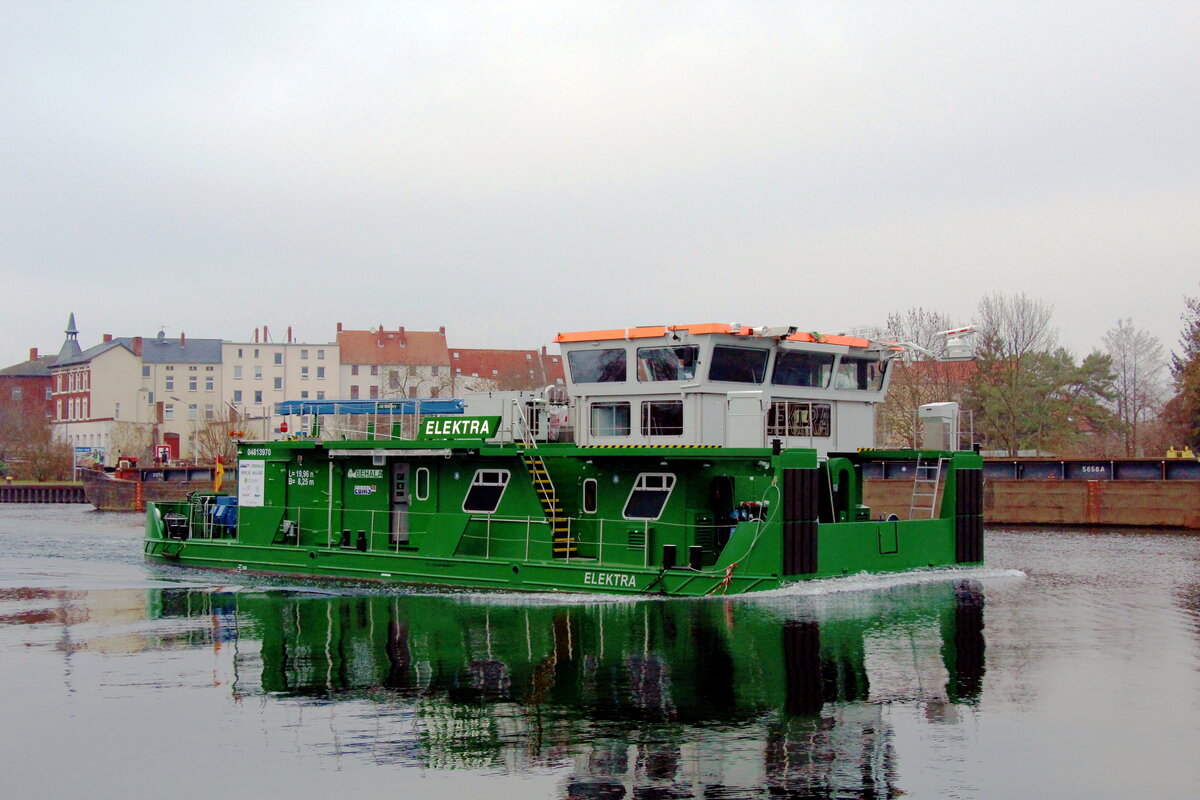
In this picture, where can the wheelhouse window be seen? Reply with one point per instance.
(738, 364)
(662, 418)
(610, 419)
(667, 363)
(860, 373)
(797, 368)
(589, 496)
(487, 487)
(597, 366)
(649, 496)
(794, 418)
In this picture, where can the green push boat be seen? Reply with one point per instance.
(737, 479)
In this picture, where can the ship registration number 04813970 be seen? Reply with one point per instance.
(609, 579)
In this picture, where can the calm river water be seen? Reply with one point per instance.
(1069, 667)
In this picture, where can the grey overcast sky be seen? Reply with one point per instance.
(510, 170)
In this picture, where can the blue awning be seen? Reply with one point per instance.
(403, 406)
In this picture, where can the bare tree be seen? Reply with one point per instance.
(1138, 362)
(30, 450)
(1014, 340)
(216, 438)
(916, 378)
(408, 380)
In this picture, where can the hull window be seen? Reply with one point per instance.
(487, 487)
(649, 495)
(589, 496)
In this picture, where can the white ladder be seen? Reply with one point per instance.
(927, 480)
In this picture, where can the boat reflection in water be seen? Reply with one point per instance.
(632, 699)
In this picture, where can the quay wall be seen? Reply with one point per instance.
(42, 493)
(1145, 503)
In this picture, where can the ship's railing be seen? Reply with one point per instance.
(597, 539)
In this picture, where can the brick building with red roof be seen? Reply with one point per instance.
(383, 364)
(478, 370)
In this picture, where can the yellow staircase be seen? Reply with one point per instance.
(564, 544)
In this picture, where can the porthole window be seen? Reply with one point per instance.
(649, 496)
(487, 487)
(589, 496)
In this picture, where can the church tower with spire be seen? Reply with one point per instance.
(70, 348)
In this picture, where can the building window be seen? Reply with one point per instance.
(84, 406)
(278, 383)
(434, 370)
(169, 411)
(304, 395)
(374, 392)
(597, 366)
(258, 373)
(237, 372)
(610, 419)
(649, 495)
(192, 368)
(320, 373)
(237, 395)
(354, 369)
(16, 394)
(487, 487)
(208, 411)
(320, 355)
(58, 409)
(192, 411)
(239, 352)
(208, 383)
(258, 396)
(304, 355)
(278, 358)
(145, 370)
(193, 383)
(304, 373)
(320, 395)
(374, 369)
(256, 352)
(354, 392)
(170, 387)
(667, 363)
(662, 418)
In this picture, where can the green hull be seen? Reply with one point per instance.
(675, 521)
